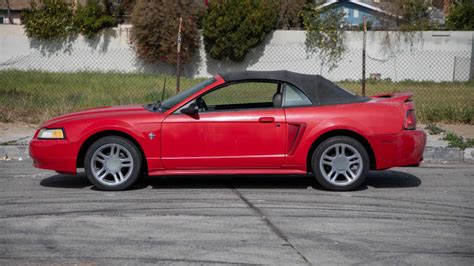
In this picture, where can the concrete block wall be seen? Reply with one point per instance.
(435, 56)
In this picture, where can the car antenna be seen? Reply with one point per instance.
(163, 91)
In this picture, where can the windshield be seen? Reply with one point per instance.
(173, 100)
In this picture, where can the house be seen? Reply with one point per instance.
(16, 6)
(355, 11)
(12, 9)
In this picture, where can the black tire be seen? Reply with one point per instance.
(327, 146)
(123, 143)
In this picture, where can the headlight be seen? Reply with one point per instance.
(53, 133)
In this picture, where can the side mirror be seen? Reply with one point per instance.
(192, 109)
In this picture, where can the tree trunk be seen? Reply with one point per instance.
(9, 13)
(446, 6)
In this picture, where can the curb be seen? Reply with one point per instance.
(443, 154)
(469, 155)
(437, 154)
(431, 154)
(14, 153)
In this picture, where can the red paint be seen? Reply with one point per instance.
(219, 140)
(253, 141)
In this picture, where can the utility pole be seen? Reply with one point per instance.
(363, 57)
(178, 70)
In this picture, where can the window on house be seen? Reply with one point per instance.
(346, 12)
(356, 13)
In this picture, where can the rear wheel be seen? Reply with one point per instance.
(340, 163)
(112, 163)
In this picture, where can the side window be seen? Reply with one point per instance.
(244, 95)
(294, 97)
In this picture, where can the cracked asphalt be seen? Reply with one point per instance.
(402, 216)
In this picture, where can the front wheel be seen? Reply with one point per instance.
(112, 163)
(340, 163)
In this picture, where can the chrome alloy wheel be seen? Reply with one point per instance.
(112, 164)
(341, 164)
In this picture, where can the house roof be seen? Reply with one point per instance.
(358, 3)
(15, 4)
(18, 5)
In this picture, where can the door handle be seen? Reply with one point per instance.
(266, 119)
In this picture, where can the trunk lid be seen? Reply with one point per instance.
(406, 103)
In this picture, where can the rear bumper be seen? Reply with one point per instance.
(404, 149)
(54, 155)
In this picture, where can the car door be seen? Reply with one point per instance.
(238, 127)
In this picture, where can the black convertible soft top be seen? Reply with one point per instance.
(320, 90)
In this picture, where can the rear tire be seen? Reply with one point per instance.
(113, 163)
(340, 163)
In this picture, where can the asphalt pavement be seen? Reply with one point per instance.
(402, 216)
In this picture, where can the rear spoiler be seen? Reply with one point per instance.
(399, 96)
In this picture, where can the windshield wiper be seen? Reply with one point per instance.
(153, 106)
(156, 106)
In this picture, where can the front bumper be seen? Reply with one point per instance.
(404, 149)
(57, 155)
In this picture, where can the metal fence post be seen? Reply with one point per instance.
(178, 63)
(471, 70)
(454, 69)
(363, 57)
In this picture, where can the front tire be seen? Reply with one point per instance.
(112, 163)
(340, 163)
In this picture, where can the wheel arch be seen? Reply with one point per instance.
(342, 132)
(94, 137)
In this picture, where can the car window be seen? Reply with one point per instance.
(294, 97)
(172, 101)
(242, 96)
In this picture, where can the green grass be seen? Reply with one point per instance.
(434, 129)
(457, 141)
(450, 102)
(33, 96)
(37, 96)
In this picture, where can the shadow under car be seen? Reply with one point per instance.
(375, 179)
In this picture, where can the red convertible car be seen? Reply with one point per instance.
(276, 122)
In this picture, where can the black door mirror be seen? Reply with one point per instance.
(192, 109)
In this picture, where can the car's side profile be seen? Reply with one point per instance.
(238, 123)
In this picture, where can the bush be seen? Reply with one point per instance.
(461, 16)
(51, 19)
(324, 34)
(232, 27)
(155, 29)
(415, 16)
(289, 16)
(433, 129)
(457, 141)
(91, 18)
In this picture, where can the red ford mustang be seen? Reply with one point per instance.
(275, 122)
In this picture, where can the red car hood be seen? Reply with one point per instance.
(102, 112)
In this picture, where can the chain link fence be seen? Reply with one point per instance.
(37, 86)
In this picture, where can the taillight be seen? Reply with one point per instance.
(410, 120)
